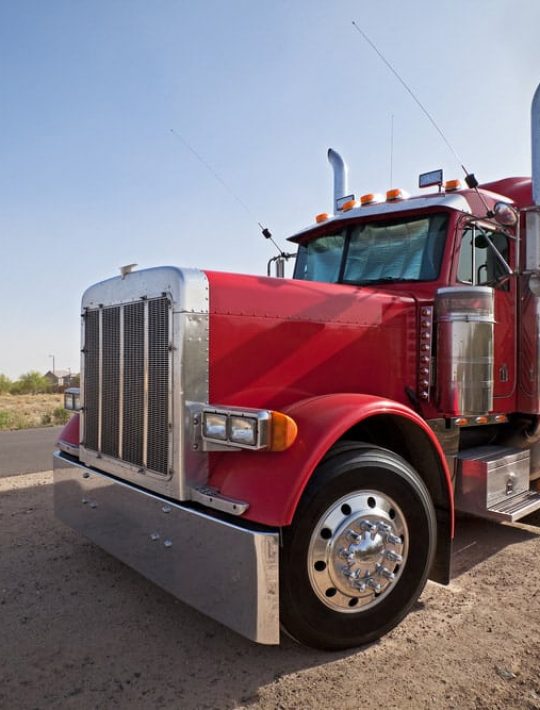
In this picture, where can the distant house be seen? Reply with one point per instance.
(59, 379)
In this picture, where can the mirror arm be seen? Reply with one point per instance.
(500, 257)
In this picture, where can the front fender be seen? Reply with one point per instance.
(273, 483)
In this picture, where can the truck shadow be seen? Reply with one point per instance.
(476, 540)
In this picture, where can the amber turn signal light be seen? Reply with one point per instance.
(284, 431)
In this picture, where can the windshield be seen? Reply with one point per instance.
(376, 252)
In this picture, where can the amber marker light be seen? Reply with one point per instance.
(322, 217)
(370, 199)
(451, 185)
(396, 194)
(349, 205)
(284, 431)
(500, 418)
(462, 421)
(481, 420)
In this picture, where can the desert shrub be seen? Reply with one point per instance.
(46, 418)
(5, 384)
(5, 420)
(32, 382)
(60, 415)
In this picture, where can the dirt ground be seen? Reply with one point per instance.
(78, 629)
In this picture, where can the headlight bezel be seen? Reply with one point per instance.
(258, 421)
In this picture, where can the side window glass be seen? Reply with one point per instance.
(480, 265)
(320, 260)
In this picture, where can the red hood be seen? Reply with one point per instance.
(275, 341)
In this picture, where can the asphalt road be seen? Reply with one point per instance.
(27, 450)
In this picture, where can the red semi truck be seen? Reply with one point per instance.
(289, 452)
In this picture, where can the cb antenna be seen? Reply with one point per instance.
(469, 177)
(265, 231)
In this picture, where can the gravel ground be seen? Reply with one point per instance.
(79, 629)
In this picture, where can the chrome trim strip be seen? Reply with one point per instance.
(145, 387)
(81, 380)
(425, 353)
(173, 469)
(68, 448)
(100, 378)
(213, 499)
(121, 385)
(227, 571)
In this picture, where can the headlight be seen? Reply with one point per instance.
(243, 430)
(72, 399)
(215, 426)
(252, 429)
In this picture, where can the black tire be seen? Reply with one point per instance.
(315, 587)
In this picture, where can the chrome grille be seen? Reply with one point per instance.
(133, 389)
(126, 383)
(110, 378)
(91, 379)
(158, 383)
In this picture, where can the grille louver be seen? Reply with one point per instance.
(126, 383)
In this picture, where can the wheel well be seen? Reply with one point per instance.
(405, 438)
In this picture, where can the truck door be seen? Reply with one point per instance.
(479, 265)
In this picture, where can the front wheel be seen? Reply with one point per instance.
(359, 551)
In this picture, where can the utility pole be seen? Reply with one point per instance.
(53, 367)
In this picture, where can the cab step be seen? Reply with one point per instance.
(516, 507)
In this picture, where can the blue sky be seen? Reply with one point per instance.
(91, 176)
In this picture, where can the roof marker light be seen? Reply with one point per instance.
(396, 194)
(371, 198)
(451, 185)
(322, 217)
(349, 205)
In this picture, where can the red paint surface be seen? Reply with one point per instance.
(274, 342)
(272, 483)
(70, 433)
(518, 189)
(329, 355)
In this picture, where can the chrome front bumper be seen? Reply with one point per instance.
(227, 572)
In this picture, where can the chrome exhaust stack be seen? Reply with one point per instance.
(532, 262)
(340, 169)
(535, 146)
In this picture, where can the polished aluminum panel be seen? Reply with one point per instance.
(493, 482)
(228, 572)
(532, 240)
(145, 359)
(465, 325)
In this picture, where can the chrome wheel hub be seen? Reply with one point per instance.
(358, 551)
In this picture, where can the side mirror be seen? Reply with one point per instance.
(505, 214)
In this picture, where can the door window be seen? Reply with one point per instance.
(478, 263)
